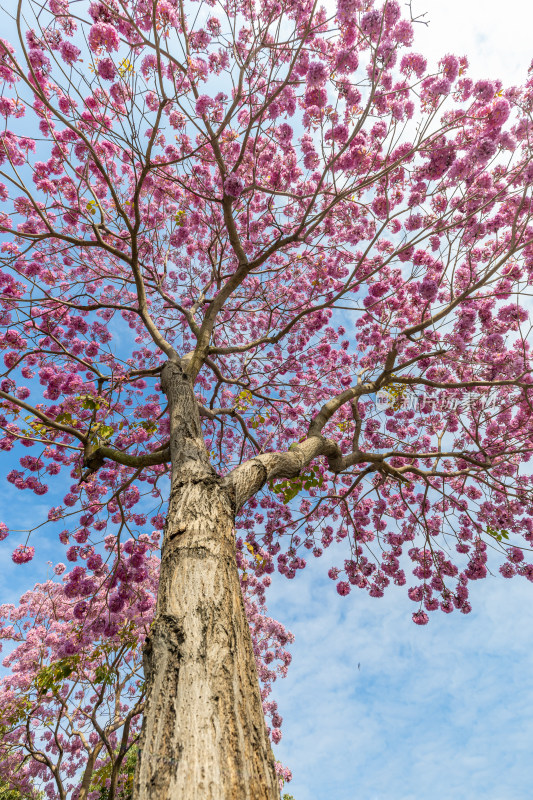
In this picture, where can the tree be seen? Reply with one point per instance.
(264, 337)
(70, 708)
(11, 794)
(72, 703)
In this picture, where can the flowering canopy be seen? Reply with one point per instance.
(71, 703)
(291, 203)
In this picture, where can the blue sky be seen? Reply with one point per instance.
(437, 712)
(442, 711)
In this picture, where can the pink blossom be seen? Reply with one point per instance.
(22, 554)
(416, 593)
(346, 61)
(69, 52)
(233, 186)
(450, 67)
(116, 603)
(316, 73)
(80, 609)
(495, 342)
(347, 9)
(72, 553)
(403, 33)
(413, 62)
(276, 735)
(371, 23)
(340, 133)
(94, 562)
(484, 91)
(516, 555)
(107, 69)
(392, 12)
(103, 36)
(499, 112)
(203, 104)
(316, 96)
(508, 570)
(420, 618)
(285, 133)
(343, 588)
(428, 289)
(439, 86)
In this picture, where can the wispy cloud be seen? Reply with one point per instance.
(438, 712)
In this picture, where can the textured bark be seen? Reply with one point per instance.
(204, 734)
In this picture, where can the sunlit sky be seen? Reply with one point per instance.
(374, 707)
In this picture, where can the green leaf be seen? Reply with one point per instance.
(51, 677)
(105, 431)
(291, 487)
(500, 535)
(103, 674)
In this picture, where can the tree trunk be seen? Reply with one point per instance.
(204, 735)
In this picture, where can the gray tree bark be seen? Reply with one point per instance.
(204, 734)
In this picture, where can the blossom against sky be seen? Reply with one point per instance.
(374, 707)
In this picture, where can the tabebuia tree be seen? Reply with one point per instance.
(73, 691)
(72, 701)
(263, 288)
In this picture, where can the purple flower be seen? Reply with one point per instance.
(233, 186)
(80, 609)
(22, 554)
(516, 555)
(500, 112)
(495, 342)
(371, 23)
(99, 625)
(136, 560)
(285, 133)
(69, 648)
(340, 133)
(107, 69)
(507, 570)
(416, 593)
(413, 62)
(428, 289)
(347, 9)
(346, 61)
(392, 13)
(103, 36)
(316, 96)
(420, 618)
(484, 91)
(485, 149)
(317, 73)
(528, 174)
(69, 52)
(450, 67)
(276, 735)
(440, 86)
(203, 104)
(116, 603)
(94, 562)
(343, 588)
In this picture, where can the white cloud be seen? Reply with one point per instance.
(438, 712)
(495, 37)
(435, 712)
